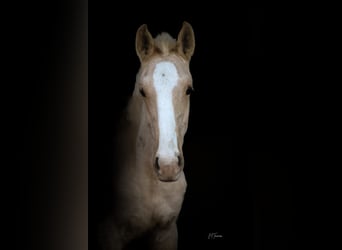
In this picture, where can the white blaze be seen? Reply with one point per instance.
(165, 78)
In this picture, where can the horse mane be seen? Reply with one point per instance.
(164, 43)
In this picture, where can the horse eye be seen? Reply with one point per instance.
(189, 90)
(142, 92)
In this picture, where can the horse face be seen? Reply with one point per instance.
(165, 87)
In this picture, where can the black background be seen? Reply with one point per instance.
(238, 150)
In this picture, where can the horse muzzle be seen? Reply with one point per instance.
(169, 169)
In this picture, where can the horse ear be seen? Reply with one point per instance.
(143, 42)
(186, 41)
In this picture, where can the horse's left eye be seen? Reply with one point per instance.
(189, 90)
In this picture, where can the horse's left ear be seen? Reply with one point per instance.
(186, 41)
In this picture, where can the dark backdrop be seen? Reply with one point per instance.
(255, 149)
(244, 125)
(239, 183)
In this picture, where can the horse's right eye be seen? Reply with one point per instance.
(189, 90)
(142, 92)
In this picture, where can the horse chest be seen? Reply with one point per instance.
(161, 203)
(167, 202)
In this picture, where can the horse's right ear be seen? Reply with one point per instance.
(186, 41)
(143, 42)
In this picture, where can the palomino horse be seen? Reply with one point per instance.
(151, 184)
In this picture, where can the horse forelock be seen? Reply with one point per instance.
(165, 43)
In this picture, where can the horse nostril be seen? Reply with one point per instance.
(157, 163)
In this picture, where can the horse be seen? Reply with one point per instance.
(150, 184)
